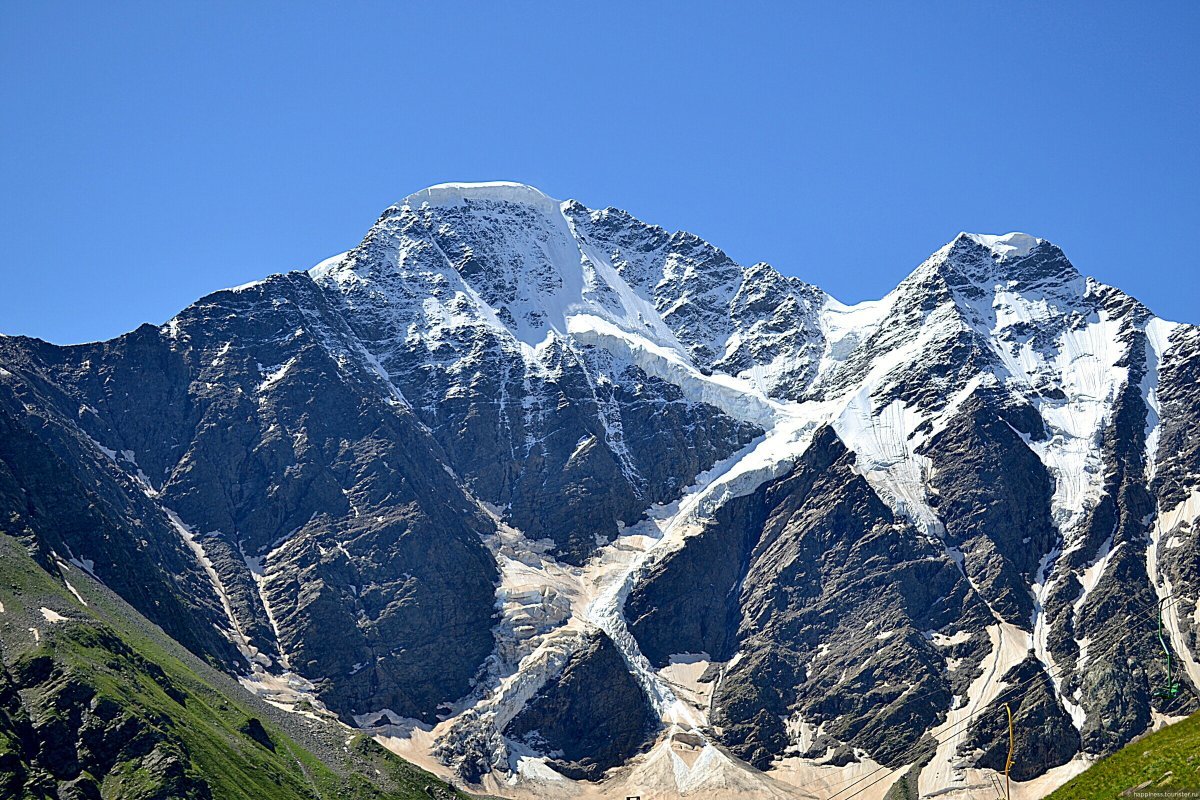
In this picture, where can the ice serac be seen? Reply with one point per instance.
(543, 495)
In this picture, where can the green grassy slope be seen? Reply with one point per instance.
(104, 704)
(1163, 763)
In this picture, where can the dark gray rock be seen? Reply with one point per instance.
(822, 570)
(993, 496)
(1043, 734)
(591, 717)
(64, 498)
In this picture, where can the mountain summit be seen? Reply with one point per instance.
(544, 496)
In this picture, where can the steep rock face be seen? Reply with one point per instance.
(71, 500)
(750, 322)
(993, 494)
(832, 599)
(341, 547)
(594, 713)
(508, 450)
(688, 601)
(1043, 735)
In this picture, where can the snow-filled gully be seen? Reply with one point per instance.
(947, 773)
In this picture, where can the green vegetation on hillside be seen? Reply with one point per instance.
(1161, 764)
(97, 703)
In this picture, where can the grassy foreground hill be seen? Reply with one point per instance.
(1164, 764)
(96, 702)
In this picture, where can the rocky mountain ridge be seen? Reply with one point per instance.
(513, 471)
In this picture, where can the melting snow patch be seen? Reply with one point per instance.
(943, 640)
(53, 616)
(220, 357)
(75, 592)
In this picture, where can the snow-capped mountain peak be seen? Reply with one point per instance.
(972, 267)
(531, 489)
(507, 257)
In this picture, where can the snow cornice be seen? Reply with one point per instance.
(1005, 246)
(451, 194)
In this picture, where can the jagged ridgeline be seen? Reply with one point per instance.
(553, 502)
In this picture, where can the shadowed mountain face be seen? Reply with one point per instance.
(567, 494)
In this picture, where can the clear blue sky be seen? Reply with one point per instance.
(154, 152)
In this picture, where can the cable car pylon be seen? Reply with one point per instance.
(1009, 761)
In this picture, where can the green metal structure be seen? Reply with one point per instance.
(1171, 690)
